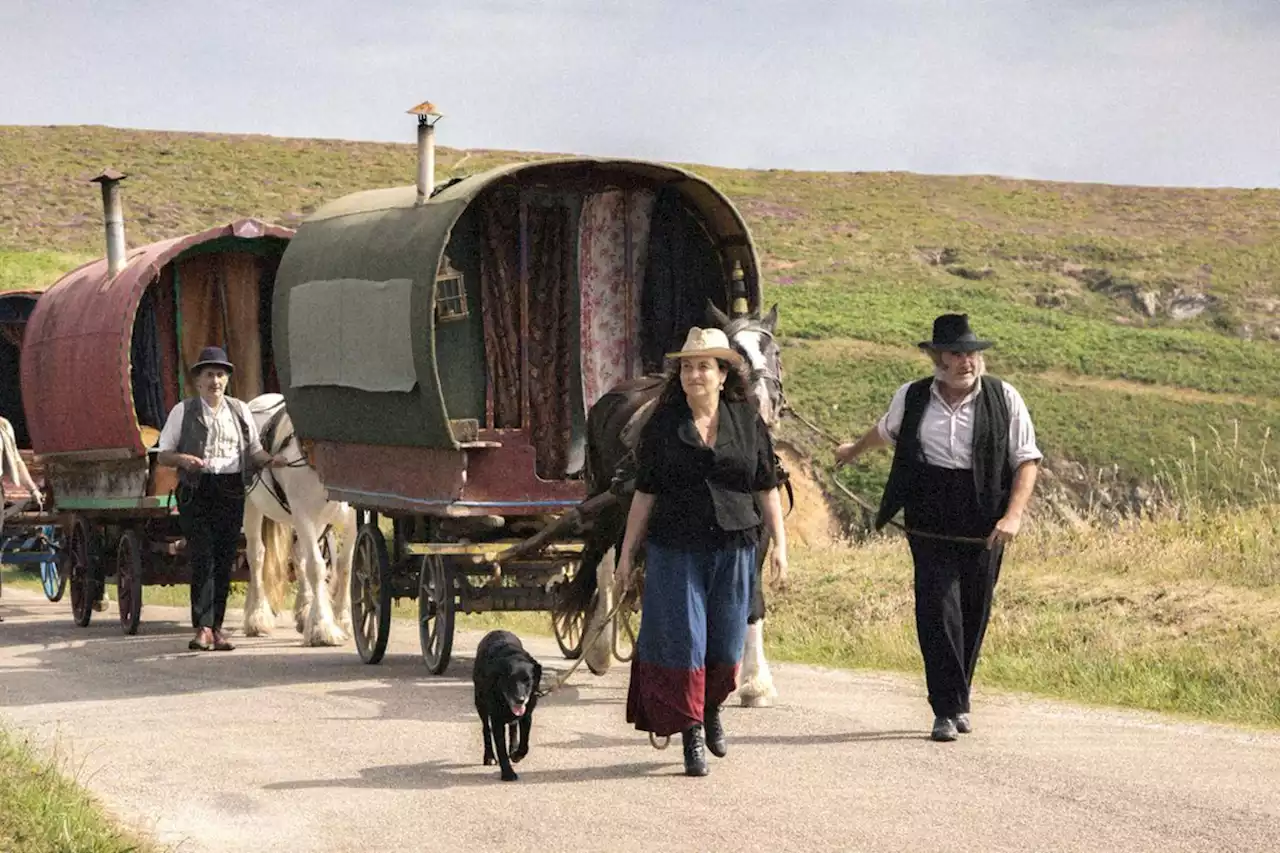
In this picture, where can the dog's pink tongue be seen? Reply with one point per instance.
(518, 710)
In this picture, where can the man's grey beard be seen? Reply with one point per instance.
(979, 370)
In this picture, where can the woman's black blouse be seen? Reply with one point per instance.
(705, 497)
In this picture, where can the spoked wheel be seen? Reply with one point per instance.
(83, 572)
(435, 613)
(568, 628)
(371, 594)
(52, 577)
(129, 581)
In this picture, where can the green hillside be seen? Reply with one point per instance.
(1134, 320)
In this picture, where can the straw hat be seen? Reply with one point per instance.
(710, 342)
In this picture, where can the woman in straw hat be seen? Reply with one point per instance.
(964, 466)
(706, 480)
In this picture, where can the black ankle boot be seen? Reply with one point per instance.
(715, 733)
(695, 754)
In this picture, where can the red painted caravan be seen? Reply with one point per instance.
(105, 356)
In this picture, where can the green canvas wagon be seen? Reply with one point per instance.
(439, 351)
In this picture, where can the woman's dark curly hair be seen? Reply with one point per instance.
(735, 383)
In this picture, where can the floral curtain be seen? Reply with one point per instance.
(613, 241)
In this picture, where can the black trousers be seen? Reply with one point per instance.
(954, 583)
(211, 515)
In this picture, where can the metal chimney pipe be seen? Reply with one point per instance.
(427, 118)
(112, 219)
(426, 159)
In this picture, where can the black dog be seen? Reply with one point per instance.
(506, 679)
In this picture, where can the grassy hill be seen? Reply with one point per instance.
(1136, 321)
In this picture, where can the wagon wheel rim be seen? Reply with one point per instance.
(80, 574)
(435, 613)
(129, 581)
(370, 605)
(52, 578)
(568, 628)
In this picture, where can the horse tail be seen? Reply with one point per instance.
(275, 563)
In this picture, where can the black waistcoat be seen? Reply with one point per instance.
(194, 435)
(992, 474)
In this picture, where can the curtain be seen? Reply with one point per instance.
(201, 312)
(240, 284)
(500, 304)
(146, 365)
(613, 241)
(220, 298)
(167, 338)
(551, 337)
(681, 273)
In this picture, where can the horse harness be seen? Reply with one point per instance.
(267, 437)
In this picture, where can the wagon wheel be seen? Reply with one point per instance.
(435, 612)
(83, 573)
(568, 629)
(371, 594)
(52, 578)
(129, 580)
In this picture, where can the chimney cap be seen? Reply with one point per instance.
(426, 108)
(108, 174)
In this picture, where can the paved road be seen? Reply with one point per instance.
(277, 747)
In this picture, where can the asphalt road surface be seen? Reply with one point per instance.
(275, 747)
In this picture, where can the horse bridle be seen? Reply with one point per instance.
(771, 378)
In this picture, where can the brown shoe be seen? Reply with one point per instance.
(220, 643)
(203, 641)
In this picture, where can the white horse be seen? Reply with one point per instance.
(293, 498)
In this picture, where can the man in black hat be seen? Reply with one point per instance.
(213, 442)
(964, 466)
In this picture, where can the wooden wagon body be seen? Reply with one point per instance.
(438, 357)
(104, 358)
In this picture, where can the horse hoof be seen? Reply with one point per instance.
(755, 693)
(325, 635)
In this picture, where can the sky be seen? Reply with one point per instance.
(1156, 92)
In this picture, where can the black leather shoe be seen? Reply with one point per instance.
(695, 753)
(715, 733)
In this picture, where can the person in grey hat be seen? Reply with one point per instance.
(964, 467)
(213, 442)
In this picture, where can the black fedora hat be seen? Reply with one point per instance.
(213, 357)
(951, 333)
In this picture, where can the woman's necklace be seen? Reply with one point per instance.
(707, 425)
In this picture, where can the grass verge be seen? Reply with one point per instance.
(41, 811)
(1170, 615)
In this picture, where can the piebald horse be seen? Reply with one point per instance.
(288, 499)
(613, 427)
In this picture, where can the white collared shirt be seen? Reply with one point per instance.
(222, 448)
(946, 432)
